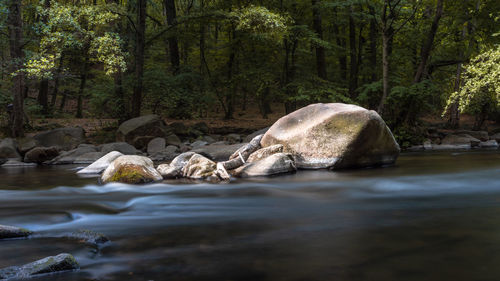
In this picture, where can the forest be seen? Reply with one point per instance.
(184, 59)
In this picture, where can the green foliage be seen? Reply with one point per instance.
(480, 92)
(259, 20)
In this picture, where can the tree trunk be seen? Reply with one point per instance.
(373, 45)
(81, 90)
(15, 30)
(139, 57)
(173, 44)
(342, 58)
(426, 48)
(320, 51)
(352, 55)
(385, 71)
(56, 81)
(43, 93)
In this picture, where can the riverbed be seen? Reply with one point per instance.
(432, 216)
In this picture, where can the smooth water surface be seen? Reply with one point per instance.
(430, 217)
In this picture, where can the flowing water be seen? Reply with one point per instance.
(430, 217)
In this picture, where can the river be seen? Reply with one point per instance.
(432, 216)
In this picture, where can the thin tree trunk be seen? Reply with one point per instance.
(426, 48)
(56, 82)
(342, 58)
(373, 45)
(139, 58)
(172, 40)
(385, 72)
(43, 93)
(15, 30)
(81, 90)
(352, 55)
(320, 51)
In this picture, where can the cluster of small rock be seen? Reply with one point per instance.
(318, 136)
(146, 136)
(455, 140)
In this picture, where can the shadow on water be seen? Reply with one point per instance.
(430, 217)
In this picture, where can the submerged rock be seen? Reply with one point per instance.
(174, 169)
(13, 232)
(199, 167)
(334, 135)
(89, 237)
(278, 163)
(59, 263)
(131, 169)
(101, 164)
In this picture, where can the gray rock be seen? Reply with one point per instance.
(334, 135)
(451, 146)
(480, 135)
(26, 144)
(488, 144)
(427, 145)
(208, 139)
(122, 147)
(496, 137)
(41, 154)
(148, 125)
(174, 169)
(8, 149)
(232, 138)
(173, 140)
(167, 154)
(17, 163)
(59, 263)
(131, 169)
(101, 164)
(88, 158)
(89, 237)
(198, 143)
(265, 152)
(199, 167)
(69, 157)
(278, 163)
(462, 139)
(218, 152)
(201, 127)
(7, 232)
(65, 138)
(156, 145)
(254, 134)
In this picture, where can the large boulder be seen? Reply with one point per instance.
(174, 169)
(65, 138)
(7, 232)
(199, 167)
(148, 125)
(278, 163)
(61, 262)
(26, 144)
(334, 135)
(41, 154)
(131, 169)
(8, 149)
(100, 164)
